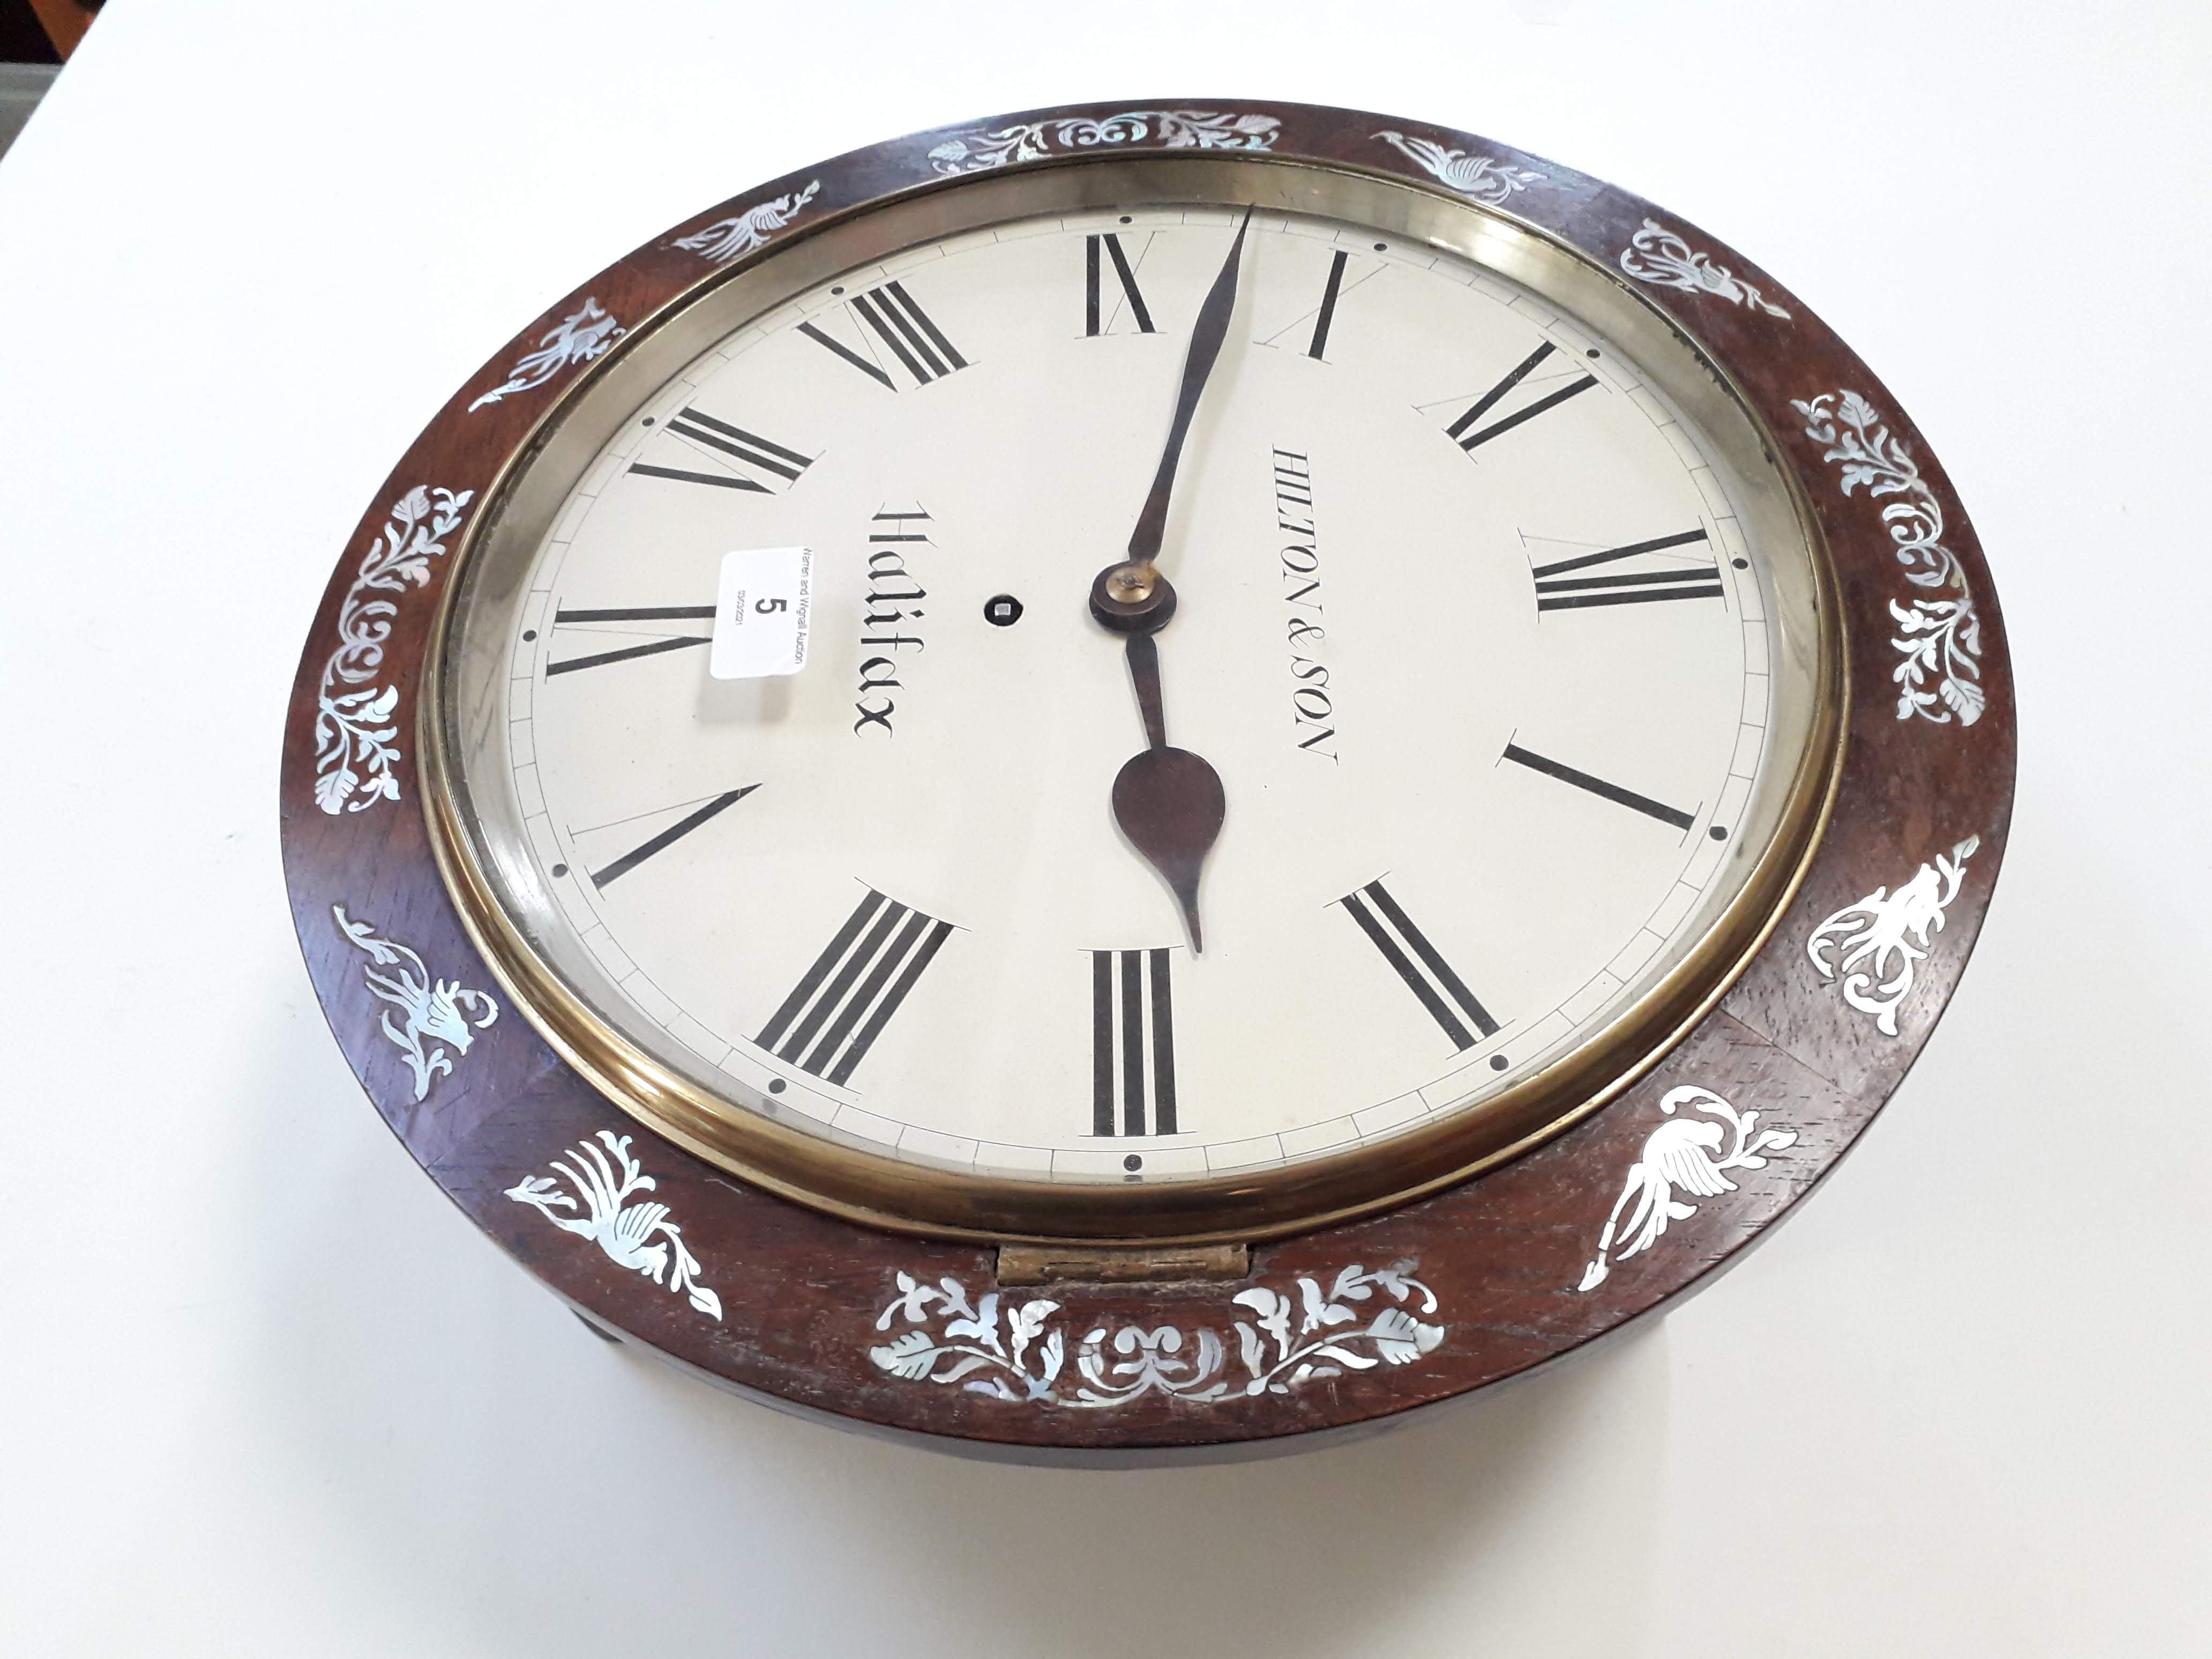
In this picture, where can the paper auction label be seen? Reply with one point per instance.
(761, 613)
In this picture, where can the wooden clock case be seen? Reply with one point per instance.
(1347, 1327)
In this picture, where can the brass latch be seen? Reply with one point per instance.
(1049, 1264)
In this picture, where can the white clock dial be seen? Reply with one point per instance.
(1473, 628)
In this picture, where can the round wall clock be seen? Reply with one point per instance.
(1148, 778)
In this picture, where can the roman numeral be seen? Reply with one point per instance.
(702, 432)
(1328, 306)
(1600, 787)
(1093, 324)
(668, 837)
(634, 613)
(1309, 331)
(834, 1014)
(1132, 1043)
(891, 315)
(1490, 399)
(1557, 591)
(1426, 974)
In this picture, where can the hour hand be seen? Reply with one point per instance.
(1168, 801)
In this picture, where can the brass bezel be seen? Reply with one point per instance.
(878, 1191)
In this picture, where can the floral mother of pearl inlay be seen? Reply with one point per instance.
(356, 733)
(1287, 1339)
(1940, 639)
(1172, 129)
(1683, 1155)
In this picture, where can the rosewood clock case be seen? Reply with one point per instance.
(1675, 1165)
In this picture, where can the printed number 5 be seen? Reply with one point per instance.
(768, 607)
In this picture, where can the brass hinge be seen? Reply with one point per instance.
(1107, 1264)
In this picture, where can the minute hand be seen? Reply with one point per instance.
(1207, 334)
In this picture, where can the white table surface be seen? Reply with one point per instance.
(263, 1391)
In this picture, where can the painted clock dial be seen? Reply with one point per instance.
(1506, 666)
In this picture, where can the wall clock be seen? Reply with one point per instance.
(1148, 778)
